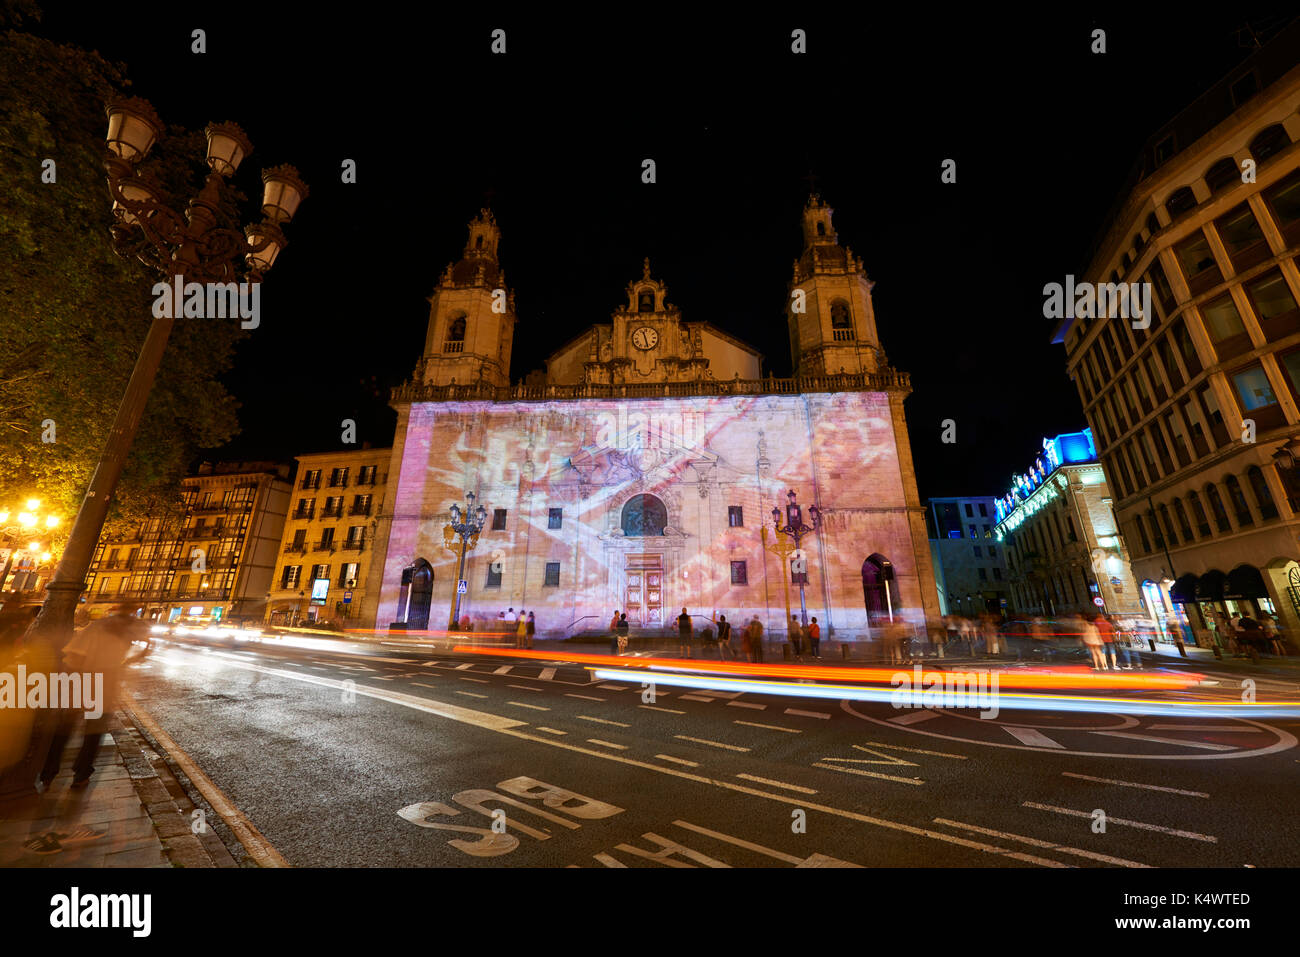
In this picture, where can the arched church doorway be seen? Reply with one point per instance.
(644, 515)
(418, 578)
(877, 573)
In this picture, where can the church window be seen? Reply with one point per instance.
(493, 575)
(841, 322)
(739, 573)
(455, 335)
(821, 229)
(555, 518)
(552, 574)
(735, 516)
(478, 243)
(645, 302)
(498, 520)
(644, 515)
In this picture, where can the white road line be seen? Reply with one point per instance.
(914, 717)
(807, 714)
(669, 757)
(770, 727)
(712, 744)
(1158, 740)
(551, 730)
(1244, 729)
(607, 744)
(746, 704)
(1131, 784)
(713, 693)
(650, 707)
(620, 724)
(779, 855)
(613, 687)
(383, 677)
(1032, 737)
(470, 694)
(547, 674)
(776, 784)
(422, 684)
(504, 670)
(524, 687)
(868, 774)
(584, 697)
(464, 667)
(535, 707)
(694, 697)
(937, 754)
(1190, 835)
(1047, 845)
(481, 681)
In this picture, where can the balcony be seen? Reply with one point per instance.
(843, 335)
(328, 512)
(325, 546)
(296, 548)
(307, 513)
(359, 510)
(310, 484)
(357, 545)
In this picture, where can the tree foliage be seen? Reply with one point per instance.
(73, 315)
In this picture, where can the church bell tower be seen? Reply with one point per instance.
(829, 312)
(471, 315)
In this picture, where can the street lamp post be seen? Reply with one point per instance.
(796, 529)
(782, 549)
(26, 522)
(205, 244)
(468, 530)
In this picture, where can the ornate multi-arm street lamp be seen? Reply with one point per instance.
(796, 529)
(781, 549)
(22, 526)
(468, 530)
(205, 244)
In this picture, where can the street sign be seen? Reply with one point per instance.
(347, 597)
(462, 587)
(1098, 602)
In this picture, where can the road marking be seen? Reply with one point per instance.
(695, 697)
(470, 694)
(779, 855)
(868, 774)
(620, 724)
(746, 704)
(535, 707)
(607, 744)
(711, 693)
(770, 727)
(669, 757)
(937, 754)
(584, 697)
(422, 684)
(524, 687)
(650, 707)
(464, 667)
(776, 784)
(551, 730)
(1159, 740)
(1131, 784)
(481, 681)
(914, 718)
(503, 670)
(1190, 835)
(712, 744)
(547, 674)
(613, 687)
(1203, 727)
(1047, 845)
(807, 714)
(1032, 737)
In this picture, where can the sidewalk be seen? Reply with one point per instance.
(134, 813)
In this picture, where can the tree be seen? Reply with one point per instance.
(72, 314)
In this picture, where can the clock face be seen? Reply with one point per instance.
(645, 338)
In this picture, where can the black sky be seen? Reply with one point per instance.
(554, 132)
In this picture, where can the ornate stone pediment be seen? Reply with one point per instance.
(639, 462)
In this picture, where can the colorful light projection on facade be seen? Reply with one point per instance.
(1024, 499)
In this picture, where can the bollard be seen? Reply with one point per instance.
(844, 652)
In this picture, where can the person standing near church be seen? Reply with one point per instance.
(521, 629)
(613, 633)
(815, 639)
(724, 638)
(530, 631)
(684, 633)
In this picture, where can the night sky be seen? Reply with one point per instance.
(552, 135)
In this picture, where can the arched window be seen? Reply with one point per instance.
(1183, 525)
(1153, 224)
(1198, 513)
(1263, 497)
(877, 573)
(1269, 142)
(645, 301)
(644, 515)
(821, 229)
(840, 314)
(1216, 506)
(478, 243)
(1238, 499)
(1180, 201)
(1222, 174)
(1169, 526)
(455, 341)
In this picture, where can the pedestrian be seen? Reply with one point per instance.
(1121, 641)
(1090, 638)
(796, 639)
(103, 647)
(815, 640)
(613, 633)
(755, 633)
(521, 629)
(465, 623)
(530, 631)
(622, 633)
(724, 638)
(684, 633)
(1268, 624)
(1107, 632)
(1252, 637)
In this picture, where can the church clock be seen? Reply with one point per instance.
(645, 338)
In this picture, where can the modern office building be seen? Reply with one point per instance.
(970, 568)
(1196, 414)
(208, 559)
(1057, 526)
(327, 552)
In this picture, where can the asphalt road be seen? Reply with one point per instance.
(395, 756)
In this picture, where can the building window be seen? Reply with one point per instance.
(493, 575)
(1142, 536)
(1238, 499)
(348, 574)
(1269, 142)
(327, 538)
(1257, 398)
(1222, 174)
(1180, 201)
(1183, 525)
(1263, 497)
(339, 478)
(367, 476)
(498, 519)
(984, 510)
(320, 571)
(972, 531)
(978, 553)
(1198, 262)
(1242, 237)
(993, 551)
(290, 578)
(1284, 202)
(103, 586)
(997, 574)
(1198, 514)
(739, 573)
(969, 512)
(1223, 323)
(555, 518)
(1216, 506)
(1274, 304)
(983, 573)
(735, 516)
(552, 574)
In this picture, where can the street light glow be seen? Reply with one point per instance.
(51, 521)
(26, 519)
(33, 504)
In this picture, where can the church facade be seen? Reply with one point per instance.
(637, 472)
